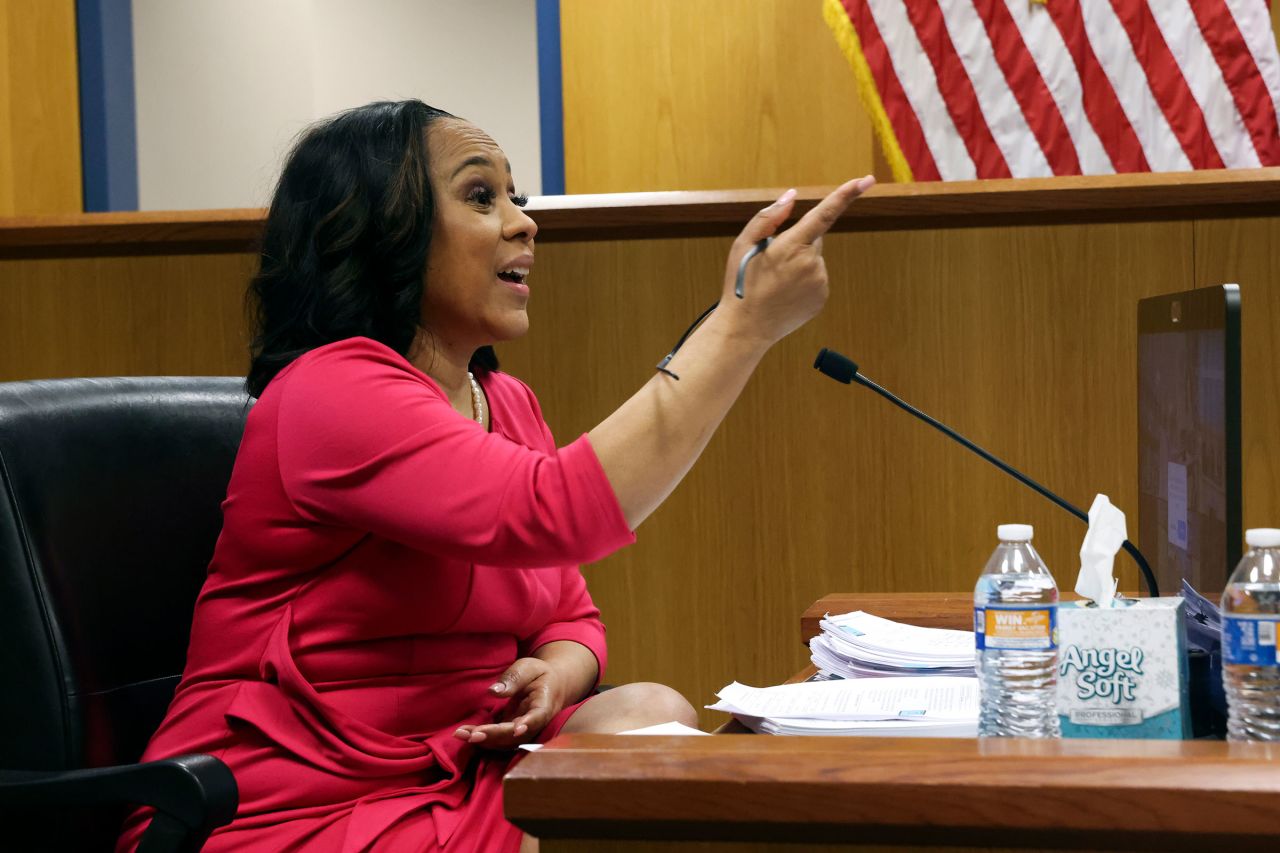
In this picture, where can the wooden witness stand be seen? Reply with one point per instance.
(775, 793)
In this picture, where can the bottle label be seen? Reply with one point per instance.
(1249, 640)
(1011, 627)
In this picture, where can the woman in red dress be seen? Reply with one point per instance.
(394, 602)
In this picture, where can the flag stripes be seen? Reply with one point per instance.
(1206, 79)
(1253, 23)
(1000, 108)
(1241, 77)
(1043, 116)
(914, 146)
(956, 87)
(903, 50)
(1168, 86)
(1059, 72)
(1000, 88)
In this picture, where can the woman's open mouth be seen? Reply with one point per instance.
(514, 277)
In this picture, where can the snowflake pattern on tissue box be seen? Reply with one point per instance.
(1122, 671)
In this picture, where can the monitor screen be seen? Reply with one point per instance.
(1189, 474)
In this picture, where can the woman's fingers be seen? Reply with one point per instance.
(530, 700)
(519, 674)
(824, 214)
(495, 735)
(788, 285)
(535, 711)
(766, 222)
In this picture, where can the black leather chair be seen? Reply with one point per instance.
(110, 504)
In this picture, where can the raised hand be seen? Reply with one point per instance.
(649, 444)
(786, 285)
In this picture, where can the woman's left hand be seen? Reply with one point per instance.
(536, 693)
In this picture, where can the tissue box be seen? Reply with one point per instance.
(1122, 671)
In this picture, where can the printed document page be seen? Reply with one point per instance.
(899, 642)
(896, 698)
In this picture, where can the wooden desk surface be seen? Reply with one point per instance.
(1168, 795)
(1104, 794)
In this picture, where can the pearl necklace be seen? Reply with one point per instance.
(477, 399)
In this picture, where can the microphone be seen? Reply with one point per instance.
(844, 369)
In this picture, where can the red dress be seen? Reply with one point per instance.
(382, 560)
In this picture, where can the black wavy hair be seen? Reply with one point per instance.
(344, 250)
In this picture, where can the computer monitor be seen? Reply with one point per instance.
(1189, 472)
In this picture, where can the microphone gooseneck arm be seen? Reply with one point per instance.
(843, 369)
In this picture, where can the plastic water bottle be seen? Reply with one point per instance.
(1015, 617)
(1250, 615)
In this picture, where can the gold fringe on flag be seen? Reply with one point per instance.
(842, 28)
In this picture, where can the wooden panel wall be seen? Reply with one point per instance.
(1247, 251)
(124, 316)
(39, 108)
(713, 94)
(1022, 337)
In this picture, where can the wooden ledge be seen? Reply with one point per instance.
(134, 233)
(625, 216)
(926, 609)
(1133, 197)
(1104, 794)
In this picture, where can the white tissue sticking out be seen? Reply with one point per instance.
(1103, 540)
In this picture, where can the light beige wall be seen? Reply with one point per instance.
(707, 94)
(223, 86)
(39, 108)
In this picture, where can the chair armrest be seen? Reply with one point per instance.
(192, 794)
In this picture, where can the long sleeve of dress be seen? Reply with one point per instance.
(419, 474)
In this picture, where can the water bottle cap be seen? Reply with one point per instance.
(1262, 537)
(1015, 532)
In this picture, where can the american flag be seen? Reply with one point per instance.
(963, 89)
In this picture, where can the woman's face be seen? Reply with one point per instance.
(481, 241)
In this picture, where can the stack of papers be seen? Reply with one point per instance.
(859, 645)
(930, 706)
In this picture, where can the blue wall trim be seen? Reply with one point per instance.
(550, 97)
(108, 129)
